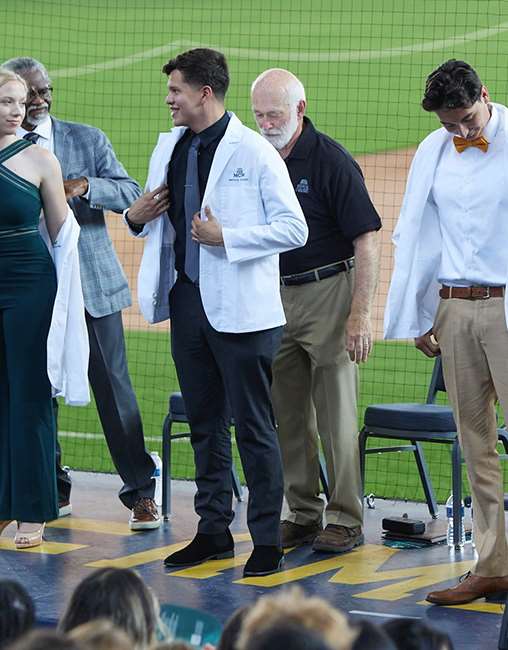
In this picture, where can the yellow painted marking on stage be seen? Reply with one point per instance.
(46, 548)
(363, 566)
(298, 573)
(211, 569)
(479, 606)
(153, 555)
(136, 559)
(92, 525)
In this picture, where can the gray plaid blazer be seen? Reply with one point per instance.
(86, 151)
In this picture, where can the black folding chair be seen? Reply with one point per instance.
(415, 424)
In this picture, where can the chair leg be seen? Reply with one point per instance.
(456, 491)
(237, 486)
(503, 437)
(362, 443)
(425, 479)
(166, 467)
(323, 475)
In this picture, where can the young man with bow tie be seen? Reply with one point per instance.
(448, 291)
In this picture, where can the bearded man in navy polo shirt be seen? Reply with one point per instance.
(327, 292)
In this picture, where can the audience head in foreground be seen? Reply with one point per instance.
(17, 612)
(292, 607)
(412, 634)
(120, 596)
(46, 640)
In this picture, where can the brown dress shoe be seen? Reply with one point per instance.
(469, 588)
(144, 515)
(338, 539)
(292, 534)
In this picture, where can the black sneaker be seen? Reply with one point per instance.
(263, 561)
(203, 548)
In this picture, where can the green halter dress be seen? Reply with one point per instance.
(27, 293)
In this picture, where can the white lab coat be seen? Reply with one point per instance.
(413, 296)
(67, 346)
(250, 193)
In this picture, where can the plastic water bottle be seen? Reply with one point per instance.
(473, 543)
(157, 476)
(449, 516)
(468, 502)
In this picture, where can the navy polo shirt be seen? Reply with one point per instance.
(331, 189)
(177, 168)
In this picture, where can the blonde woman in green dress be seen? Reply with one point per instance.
(30, 179)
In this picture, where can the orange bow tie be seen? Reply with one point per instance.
(462, 143)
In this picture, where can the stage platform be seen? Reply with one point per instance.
(374, 581)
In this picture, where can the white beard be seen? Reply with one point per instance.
(280, 137)
(35, 121)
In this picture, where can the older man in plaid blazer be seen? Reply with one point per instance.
(96, 181)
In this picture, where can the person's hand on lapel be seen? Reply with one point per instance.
(149, 206)
(207, 232)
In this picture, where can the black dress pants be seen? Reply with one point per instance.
(221, 375)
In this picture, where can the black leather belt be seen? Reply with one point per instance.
(318, 274)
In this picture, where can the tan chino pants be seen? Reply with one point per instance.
(473, 338)
(315, 397)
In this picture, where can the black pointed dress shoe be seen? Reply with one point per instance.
(203, 548)
(263, 561)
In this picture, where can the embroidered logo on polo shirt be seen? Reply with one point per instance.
(303, 186)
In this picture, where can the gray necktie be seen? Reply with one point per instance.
(31, 136)
(192, 204)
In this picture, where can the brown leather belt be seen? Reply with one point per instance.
(471, 293)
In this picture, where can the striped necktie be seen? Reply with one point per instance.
(31, 136)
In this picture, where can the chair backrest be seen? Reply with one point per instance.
(191, 625)
(436, 381)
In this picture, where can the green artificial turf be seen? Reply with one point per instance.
(363, 63)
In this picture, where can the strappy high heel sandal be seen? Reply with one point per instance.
(4, 523)
(28, 539)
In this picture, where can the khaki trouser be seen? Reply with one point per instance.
(315, 396)
(473, 338)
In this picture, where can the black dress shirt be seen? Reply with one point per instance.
(330, 188)
(177, 169)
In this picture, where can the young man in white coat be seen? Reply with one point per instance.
(222, 210)
(448, 291)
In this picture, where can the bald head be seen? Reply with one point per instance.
(278, 104)
(279, 83)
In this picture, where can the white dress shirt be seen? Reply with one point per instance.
(470, 194)
(45, 132)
